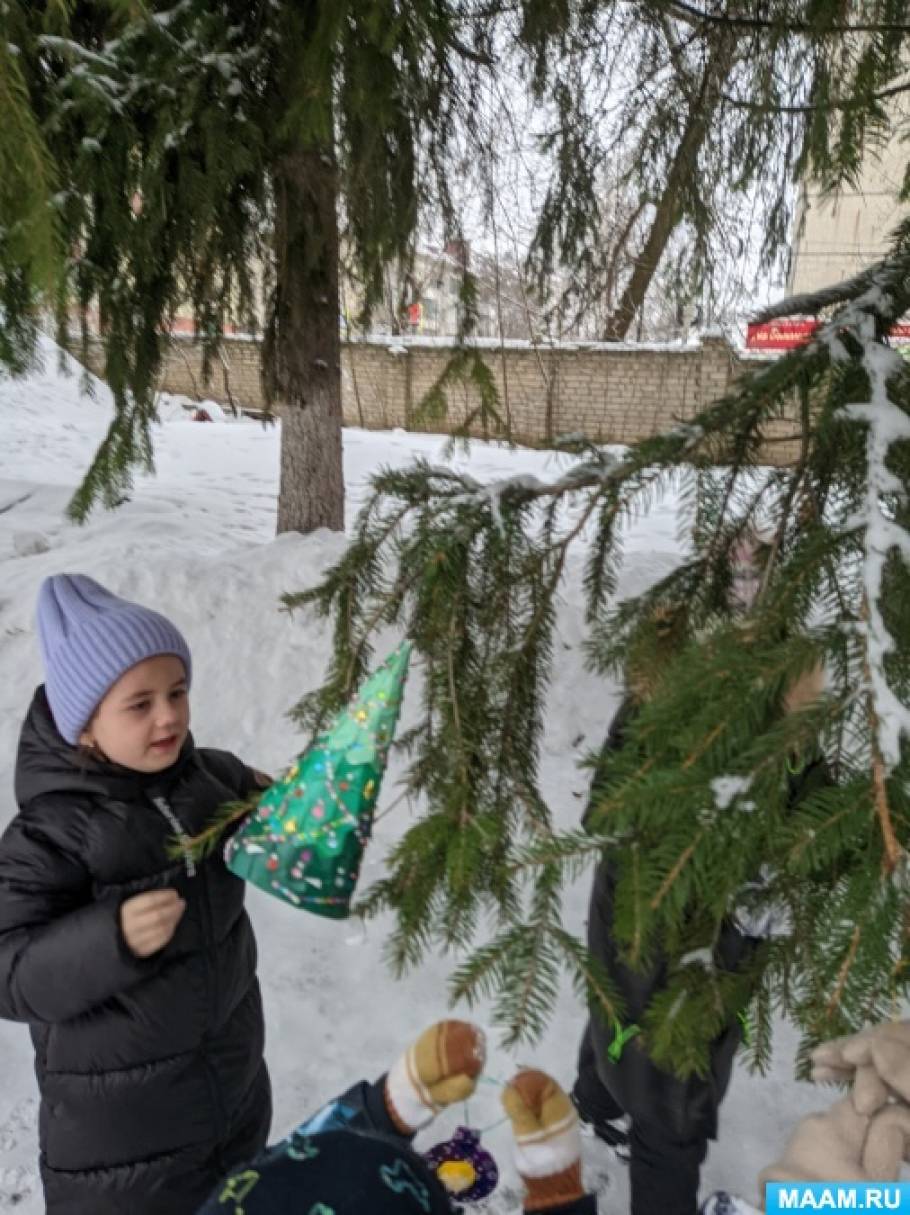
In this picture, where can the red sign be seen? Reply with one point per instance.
(786, 335)
(779, 335)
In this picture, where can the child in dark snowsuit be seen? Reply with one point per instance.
(354, 1156)
(662, 1123)
(135, 974)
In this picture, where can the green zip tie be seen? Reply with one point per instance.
(620, 1038)
(743, 1018)
(795, 767)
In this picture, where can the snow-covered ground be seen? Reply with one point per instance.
(197, 542)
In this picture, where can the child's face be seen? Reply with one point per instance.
(144, 718)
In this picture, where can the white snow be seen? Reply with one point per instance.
(402, 342)
(726, 788)
(197, 542)
(885, 424)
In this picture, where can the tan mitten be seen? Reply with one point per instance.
(437, 1070)
(886, 1049)
(876, 1060)
(824, 1147)
(887, 1143)
(829, 1065)
(547, 1140)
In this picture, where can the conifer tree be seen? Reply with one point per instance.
(695, 809)
(30, 252)
(196, 147)
(177, 151)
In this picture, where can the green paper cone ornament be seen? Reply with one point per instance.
(304, 842)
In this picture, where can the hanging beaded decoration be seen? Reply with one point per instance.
(467, 1170)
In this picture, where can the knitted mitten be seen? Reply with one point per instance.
(842, 1144)
(823, 1147)
(547, 1140)
(440, 1068)
(887, 1144)
(876, 1061)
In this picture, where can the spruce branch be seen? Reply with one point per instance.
(844, 972)
(473, 571)
(685, 10)
(857, 103)
(674, 873)
(228, 817)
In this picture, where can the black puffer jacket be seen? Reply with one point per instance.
(685, 1109)
(151, 1070)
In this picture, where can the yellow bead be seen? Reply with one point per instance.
(457, 1175)
(290, 826)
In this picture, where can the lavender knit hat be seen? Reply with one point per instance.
(89, 638)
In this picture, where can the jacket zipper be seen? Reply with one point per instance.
(164, 808)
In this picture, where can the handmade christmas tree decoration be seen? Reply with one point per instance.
(466, 1169)
(304, 842)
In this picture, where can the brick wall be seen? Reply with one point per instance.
(613, 393)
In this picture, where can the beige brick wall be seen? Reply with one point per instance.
(610, 394)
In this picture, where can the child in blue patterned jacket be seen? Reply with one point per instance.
(354, 1157)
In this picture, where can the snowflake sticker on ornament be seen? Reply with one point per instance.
(304, 843)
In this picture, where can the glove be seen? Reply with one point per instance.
(842, 1144)
(437, 1070)
(547, 1140)
(875, 1060)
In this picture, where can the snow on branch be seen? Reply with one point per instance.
(586, 474)
(67, 48)
(851, 290)
(886, 424)
(727, 788)
(526, 487)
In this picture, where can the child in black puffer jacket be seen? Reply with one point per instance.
(661, 1123)
(135, 974)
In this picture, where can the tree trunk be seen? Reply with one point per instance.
(702, 107)
(303, 351)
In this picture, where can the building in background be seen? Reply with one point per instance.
(834, 238)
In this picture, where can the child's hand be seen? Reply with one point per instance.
(547, 1140)
(441, 1067)
(148, 921)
